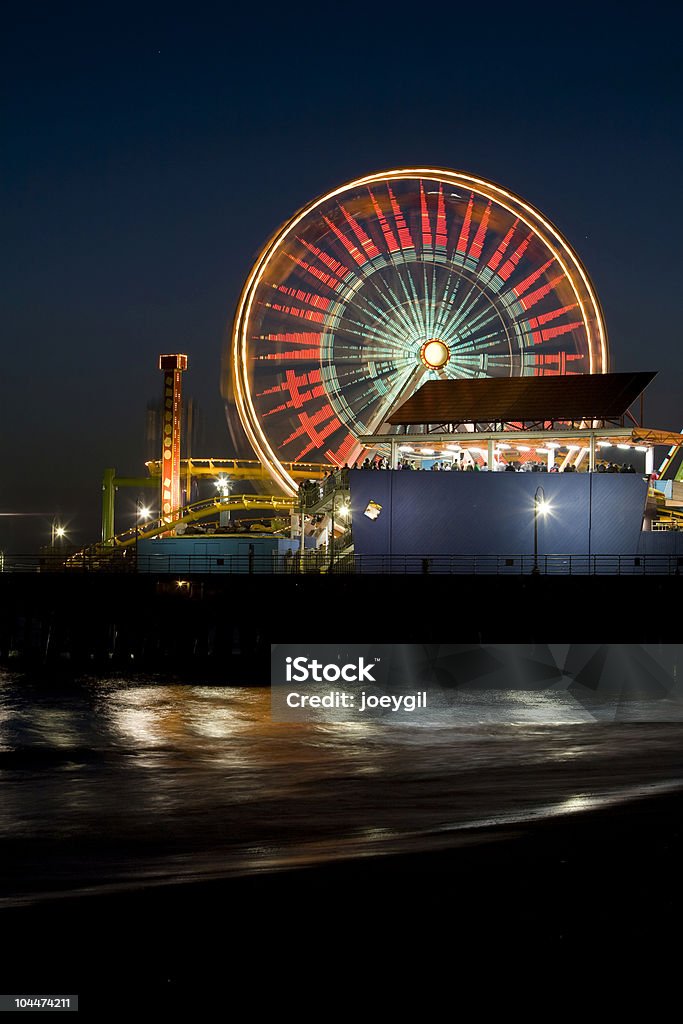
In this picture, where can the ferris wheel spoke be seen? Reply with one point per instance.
(467, 310)
(520, 289)
(381, 311)
(401, 315)
(533, 298)
(373, 340)
(463, 310)
(544, 327)
(474, 331)
(417, 304)
(485, 343)
(466, 372)
(434, 307)
(380, 331)
(427, 310)
(446, 305)
(454, 326)
(417, 325)
(407, 385)
(472, 335)
(370, 390)
(479, 242)
(368, 399)
(407, 313)
(384, 326)
(396, 249)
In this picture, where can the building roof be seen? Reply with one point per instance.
(573, 397)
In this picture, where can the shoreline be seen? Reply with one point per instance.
(546, 884)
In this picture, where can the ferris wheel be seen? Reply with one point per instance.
(391, 280)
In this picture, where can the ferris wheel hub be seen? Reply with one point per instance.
(435, 353)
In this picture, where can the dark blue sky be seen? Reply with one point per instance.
(149, 151)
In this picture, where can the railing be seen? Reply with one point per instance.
(513, 565)
(241, 467)
(318, 561)
(315, 491)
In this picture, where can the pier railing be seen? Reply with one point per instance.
(320, 562)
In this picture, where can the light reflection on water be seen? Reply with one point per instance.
(115, 783)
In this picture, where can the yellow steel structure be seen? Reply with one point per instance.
(110, 484)
(242, 469)
(236, 469)
(273, 504)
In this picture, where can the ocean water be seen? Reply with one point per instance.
(118, 784)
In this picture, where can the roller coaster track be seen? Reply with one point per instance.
(276, 505)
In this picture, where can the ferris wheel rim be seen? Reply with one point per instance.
(518, 207)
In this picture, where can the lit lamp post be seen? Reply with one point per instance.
(541, 507)
(142, 514)
(302, 527)
(334, 502)
(344, 512)
(57, 533)
(223, 488)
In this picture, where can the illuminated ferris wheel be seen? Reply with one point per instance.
(391, 280)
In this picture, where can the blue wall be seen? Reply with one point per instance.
(664, 542)
(427, 513)
(213, 554)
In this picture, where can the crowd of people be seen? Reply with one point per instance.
(314, 490)
(339, 477)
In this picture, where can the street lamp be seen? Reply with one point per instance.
(223, 487)
(334, 502)
(302, 526)
(58, 532)
(541, 507)
(142, 514)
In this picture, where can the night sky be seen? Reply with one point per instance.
(149, 151)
